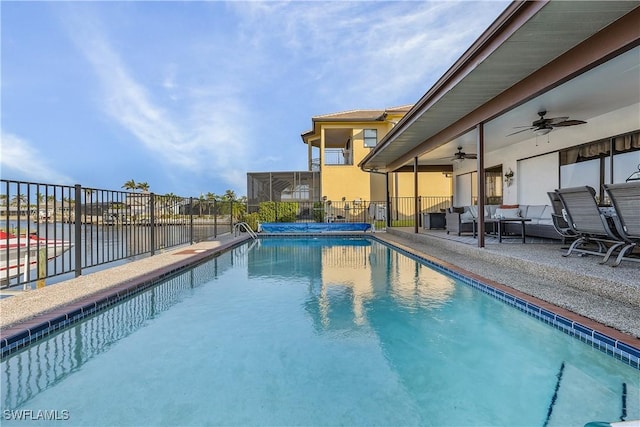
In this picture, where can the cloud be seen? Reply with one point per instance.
(24, 162)
(368, 55)
(196, 136)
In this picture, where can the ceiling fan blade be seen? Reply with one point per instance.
(556, 120)
(570, 123)
(520, 131)
(471, 156)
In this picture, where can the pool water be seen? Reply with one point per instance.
(315, 331)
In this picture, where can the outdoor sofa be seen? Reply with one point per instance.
(464, 219)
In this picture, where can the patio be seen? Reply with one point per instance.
(600, 292)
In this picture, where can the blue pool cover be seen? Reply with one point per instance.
(312, 227)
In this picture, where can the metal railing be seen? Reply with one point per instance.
(243, 226)
(402, 210)
(59, 231)
(50, 230)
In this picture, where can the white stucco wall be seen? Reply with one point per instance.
(535, 175)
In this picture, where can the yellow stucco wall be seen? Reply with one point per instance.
(352, 183)
(429, 184)
(349, 181)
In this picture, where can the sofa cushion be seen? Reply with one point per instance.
(545, 217)
(535, 211)
(507, 213)
(490, 210)
(467, 216)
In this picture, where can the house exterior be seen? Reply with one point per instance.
(540, 63)
(336, 144)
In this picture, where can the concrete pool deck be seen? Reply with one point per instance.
(609, 296)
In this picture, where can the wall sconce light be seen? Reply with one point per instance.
(508, 177)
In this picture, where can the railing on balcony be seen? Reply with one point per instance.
(337, 156)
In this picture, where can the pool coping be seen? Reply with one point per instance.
(601, 337)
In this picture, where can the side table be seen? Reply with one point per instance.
(431, 220)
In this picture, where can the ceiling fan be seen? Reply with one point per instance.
(461, 155)
(543, 126)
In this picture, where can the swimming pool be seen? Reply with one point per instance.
(315, 331)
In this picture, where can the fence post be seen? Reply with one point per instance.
(77, 223)
(215, 218)
(191, 220)
(152, 221)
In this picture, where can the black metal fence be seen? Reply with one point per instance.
(49, 230)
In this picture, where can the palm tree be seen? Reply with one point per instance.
(143, 186)
(19, 199)
(130, 185)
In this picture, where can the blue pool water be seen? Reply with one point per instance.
(322, 331)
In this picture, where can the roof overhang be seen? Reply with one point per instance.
(532, 48)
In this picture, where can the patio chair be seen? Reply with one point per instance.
(557, 218)
(625, 199)
(588, 222)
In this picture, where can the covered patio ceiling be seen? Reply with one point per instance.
(536, 56)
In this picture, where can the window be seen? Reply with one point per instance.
(592, 164)
(493, 185)
(370, 138)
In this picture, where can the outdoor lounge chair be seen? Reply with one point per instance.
(588, 222)
(625, 199)
(557, 218)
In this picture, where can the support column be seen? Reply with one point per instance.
(387, 200)
(481, 184)
(416, 205)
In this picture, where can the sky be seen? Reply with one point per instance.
(191, 96)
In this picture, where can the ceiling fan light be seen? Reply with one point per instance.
(542, 131)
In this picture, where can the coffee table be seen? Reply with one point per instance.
(501, 221)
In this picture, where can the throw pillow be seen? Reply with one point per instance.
(509, 206)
